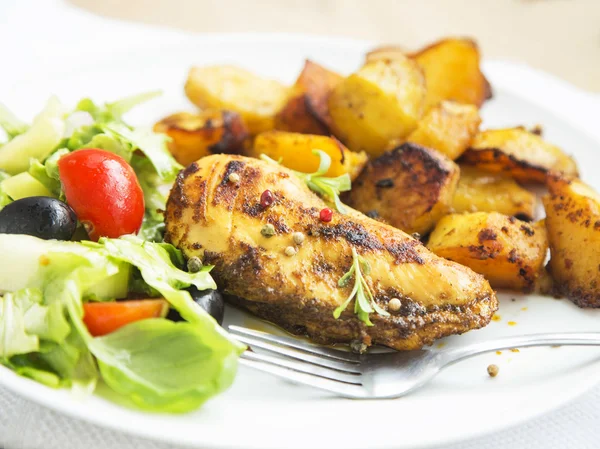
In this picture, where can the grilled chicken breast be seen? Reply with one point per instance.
(219, 218)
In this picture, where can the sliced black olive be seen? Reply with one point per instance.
(40, 216)
(209, 300)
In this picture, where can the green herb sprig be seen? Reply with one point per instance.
(323, 185)
(364, 303)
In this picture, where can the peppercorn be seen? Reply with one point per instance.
(326, 215)
(290, 251)
(394, 304)
(234, 178)
(266, 198)
(493, 370)
(194, 264)
(298, 238)
(268, 230)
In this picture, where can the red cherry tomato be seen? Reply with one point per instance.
(104, 192)
(102, 318)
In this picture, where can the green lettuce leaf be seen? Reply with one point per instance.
(153, 145)
(165, 366)
(113, 112)
(4, 198)
(47, 172)
(14, 338)
(10, 123)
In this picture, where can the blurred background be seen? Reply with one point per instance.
(558, 36)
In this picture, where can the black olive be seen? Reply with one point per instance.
(40, 216)
(210, 300)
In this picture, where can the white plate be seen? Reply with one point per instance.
(262, 412)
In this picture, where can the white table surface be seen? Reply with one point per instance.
(36, 34)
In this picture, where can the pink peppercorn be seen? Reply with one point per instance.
(267, 198)
(326, 215)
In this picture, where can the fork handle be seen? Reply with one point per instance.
(521, 341)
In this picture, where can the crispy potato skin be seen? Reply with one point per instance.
(480, 191)
(447, 127)
(452, 72)
(221, 222)
(410, 188)
(510, 253)
(307, 111)
(518, 153)
(296, 152)
(381, 102)
(573, 222)
(256, 99)
(194, 136)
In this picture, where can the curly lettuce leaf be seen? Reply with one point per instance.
(153, 145)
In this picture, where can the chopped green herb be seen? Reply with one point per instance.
(364, 303)
(323, 185)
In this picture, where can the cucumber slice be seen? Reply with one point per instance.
(23, 185)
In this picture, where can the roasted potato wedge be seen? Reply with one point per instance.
(452, 72)
(381, 102)
(211, 131)
(306, 111)
(480, 191)
(573, 222)
(295, 151)
(448, 127)
(518, 153)
(256, 99)
(508, 252)
(410, 188)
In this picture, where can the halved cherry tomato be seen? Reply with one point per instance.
(104, 192)
(102, 318)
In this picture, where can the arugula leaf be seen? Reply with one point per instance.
(153, 145)
(12, 125)
(364, 302)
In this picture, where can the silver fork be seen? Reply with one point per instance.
(375, 375)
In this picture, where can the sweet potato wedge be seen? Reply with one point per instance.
(410, 188)
(211, 131)
(256, 99)
(295, 151)
(518, 153)
(508, 252)
(306, 111)
(381, 102)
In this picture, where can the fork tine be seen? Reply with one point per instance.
(305, 368)
(298, 355)
(332, 386)
(295, 343)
